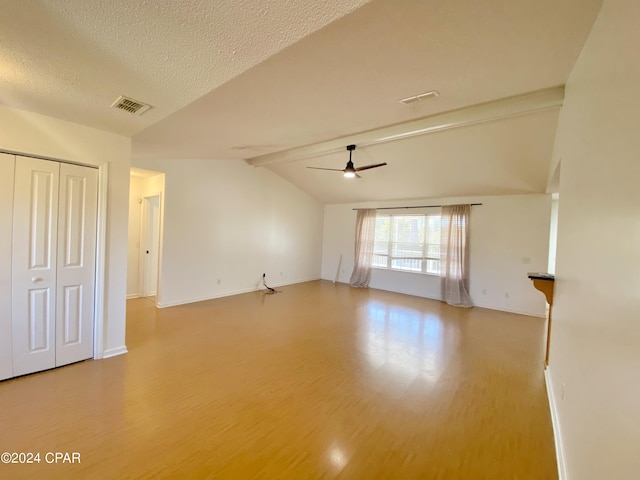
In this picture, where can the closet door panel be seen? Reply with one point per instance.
(7, 169)
(76, 263)
(34, 262)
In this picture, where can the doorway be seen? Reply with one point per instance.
(144, 249)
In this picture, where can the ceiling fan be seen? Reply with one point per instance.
(350, 171)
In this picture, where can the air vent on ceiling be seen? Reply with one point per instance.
(130, 105)
(420, 96)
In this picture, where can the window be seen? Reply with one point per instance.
(408, 242)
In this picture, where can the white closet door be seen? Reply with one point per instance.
(7, 166)
(35, 220)
(76, 263)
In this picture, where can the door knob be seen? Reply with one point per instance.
(36, 279)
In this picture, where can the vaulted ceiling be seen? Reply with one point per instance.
(250, 79)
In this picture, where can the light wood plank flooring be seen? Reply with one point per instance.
(321, 381)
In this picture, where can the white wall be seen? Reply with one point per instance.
(595, 343)
(505, 232)
(38, 135)
(139, 187)
(227, 221)
(553, 233)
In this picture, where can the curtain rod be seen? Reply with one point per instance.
(419, 206)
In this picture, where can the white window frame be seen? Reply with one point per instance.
(424, 259)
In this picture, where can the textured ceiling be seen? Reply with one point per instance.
(244, 78)
(71, 59)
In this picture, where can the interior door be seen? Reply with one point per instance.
(76, 263)
(7, 167)
(151, 245)
(34, 259)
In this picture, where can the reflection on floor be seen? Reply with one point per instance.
(319, 381)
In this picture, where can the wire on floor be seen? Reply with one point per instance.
(269, 290)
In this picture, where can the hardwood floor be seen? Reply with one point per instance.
(320, 381)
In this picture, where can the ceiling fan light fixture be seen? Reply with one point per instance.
(350, 170)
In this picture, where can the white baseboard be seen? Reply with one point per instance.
(132, 295)
(113, 352)
(205, 298)
(284, 284)
(411, 294)
(230, 293)
(555, 421)
(510, 310)
(432, 297)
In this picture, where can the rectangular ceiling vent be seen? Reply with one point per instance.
(420, 96)
(130, 105)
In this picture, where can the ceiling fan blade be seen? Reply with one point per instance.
(332, 169)
(358, 176)
(367, 167)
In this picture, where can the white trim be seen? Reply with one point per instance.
(144, 222)
(293, 282)
(411, 294)
(101, 261)
(555, 421)
(142, 238)
(510, 310)
(231, 293)
(428, 297)
(114, 352)
(160, 241)
(132, 295)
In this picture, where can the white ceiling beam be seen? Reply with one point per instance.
(485, 112)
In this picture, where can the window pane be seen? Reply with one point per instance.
(408, 228)
(402, 242)
(411, 265)
(433, 251)
(381, 248)
(383, 227)
(433, 266)
(433, 222)
(406, 250)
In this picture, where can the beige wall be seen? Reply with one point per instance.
(506, 232)
(38, 135)
(595, 348)
(225, 220)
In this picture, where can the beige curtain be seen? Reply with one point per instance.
(365, 236)
(454, 255)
